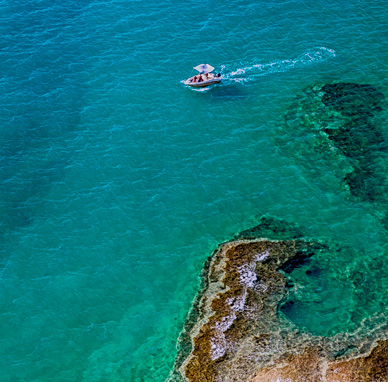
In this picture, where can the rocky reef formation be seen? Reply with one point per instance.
(247, 322)
(236, 331)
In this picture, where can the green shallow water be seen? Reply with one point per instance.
(117, 181)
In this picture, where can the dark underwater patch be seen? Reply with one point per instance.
(338, 134)
(344, 124)
(359, 136)
(299, 260)
(271, 228)
(352, 99)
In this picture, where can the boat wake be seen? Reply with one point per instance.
(201, 90)
(233, 72)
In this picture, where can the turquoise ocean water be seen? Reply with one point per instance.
(117, 181)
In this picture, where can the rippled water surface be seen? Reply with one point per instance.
(117, 181)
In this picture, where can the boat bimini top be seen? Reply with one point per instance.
(203, 68)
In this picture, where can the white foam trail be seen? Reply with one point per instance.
(253, 69)
(204, 89)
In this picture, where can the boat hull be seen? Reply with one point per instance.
(203, 83)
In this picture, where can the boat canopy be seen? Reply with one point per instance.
(204, 68)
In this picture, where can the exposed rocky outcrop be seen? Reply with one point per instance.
(313, 366)
(236, 331)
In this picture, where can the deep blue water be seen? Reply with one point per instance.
(117, 181)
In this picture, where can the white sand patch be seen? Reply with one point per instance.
(248, 275)
(262, 256)
(218, 344)
(248, 279)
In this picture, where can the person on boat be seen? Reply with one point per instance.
(207, 75)
(195, 79)
(200, 78)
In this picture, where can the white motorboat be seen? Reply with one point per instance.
(204, 77)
